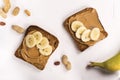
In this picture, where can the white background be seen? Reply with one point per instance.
(50, 15)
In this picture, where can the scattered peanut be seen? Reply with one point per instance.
(66, 63)
(16, 11)
(27, 12)
(18, 29)
(7, 5)
(68, 66)
(56, 63)
(2, 23)
(2, 13)
(64, 59)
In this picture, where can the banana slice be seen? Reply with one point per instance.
(46, 51)
(80, 31)
(75, 25)
(38, 36)
(95, 34)
(86, 35)
(43, 43)
(30, 41)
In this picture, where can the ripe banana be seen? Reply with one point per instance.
(38, 36)
(43, 43)
(30, 41)
(46, 51)
(112, 64)
(95, 34)
(75, 25)
(86, 35)
(79, 31)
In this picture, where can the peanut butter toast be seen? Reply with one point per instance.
(37, 46)
(85, 28)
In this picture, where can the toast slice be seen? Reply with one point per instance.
(89, 17)
(33, 55)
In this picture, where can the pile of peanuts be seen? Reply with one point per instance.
(5, 9)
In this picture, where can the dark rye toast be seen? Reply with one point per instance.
(90, 19)
(37, 59)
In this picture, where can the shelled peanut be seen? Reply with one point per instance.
(27, 12)
(16, 11)
(2, 23)
(7, 5)
(2, 13)
(18, 28)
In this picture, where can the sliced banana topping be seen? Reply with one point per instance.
(43, 43)
(80, 31)
(38, 36)
(95, 34)
(46, 51)
(86, 35)
(75, 25)
(30, 41)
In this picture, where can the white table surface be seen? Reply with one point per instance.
(50, 14)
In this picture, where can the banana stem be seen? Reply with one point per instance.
(93, 64)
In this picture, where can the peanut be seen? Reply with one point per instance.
(2, 13)
(66, 63)
(2, 23)
(27, 12)
(16, 11)
(56, 63)
(64, 59)
(18, 29)
(68, 66)
(7, 5)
